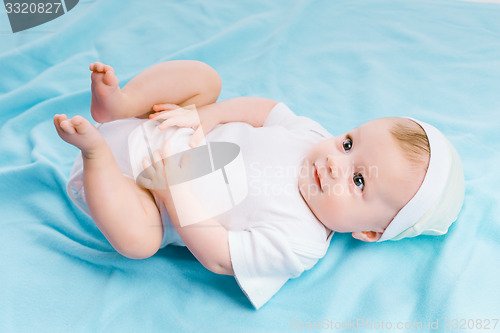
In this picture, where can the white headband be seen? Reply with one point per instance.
(439, 199)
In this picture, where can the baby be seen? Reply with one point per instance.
(388, 179)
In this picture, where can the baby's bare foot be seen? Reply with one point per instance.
(79, 132)
(107, 98)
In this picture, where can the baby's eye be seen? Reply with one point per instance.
(359, 181)
(347, 144)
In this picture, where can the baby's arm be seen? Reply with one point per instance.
(208, 240)
(251, 110)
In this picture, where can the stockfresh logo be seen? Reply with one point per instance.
(31, 13)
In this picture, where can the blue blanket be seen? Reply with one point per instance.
(339, 62)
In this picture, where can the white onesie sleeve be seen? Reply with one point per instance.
(281, 115)
(263, 260)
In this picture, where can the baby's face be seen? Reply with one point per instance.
(357, 182)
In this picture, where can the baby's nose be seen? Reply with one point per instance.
(331, 167)
(335, 166)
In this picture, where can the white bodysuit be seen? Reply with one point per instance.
(273, 235)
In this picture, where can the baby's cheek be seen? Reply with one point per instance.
(341, 208)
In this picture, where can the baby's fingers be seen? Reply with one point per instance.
(168, 160)
(175, 121)
(158, 161)
(165, 107)
(197, 138)
(144, 182)
(166, 114)
(165, 111)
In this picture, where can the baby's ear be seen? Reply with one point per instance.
(367, 236)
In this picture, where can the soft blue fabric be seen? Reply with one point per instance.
(339, 62)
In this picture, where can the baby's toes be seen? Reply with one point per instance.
(57, 121)
(67, 127)
(110, 79)
(58, 118)
(96, 77)
(80, 124)
(97, 67)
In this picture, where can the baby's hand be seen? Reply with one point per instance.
(187, 116)
(165, 170)
(164, 167)
(174, 115)
(154, 176)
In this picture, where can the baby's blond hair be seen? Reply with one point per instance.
(413, 141)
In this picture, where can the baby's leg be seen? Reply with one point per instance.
(181, 82)
(126, 214)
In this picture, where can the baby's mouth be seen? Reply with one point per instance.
(316, 177)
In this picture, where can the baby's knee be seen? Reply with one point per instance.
(139, 247)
